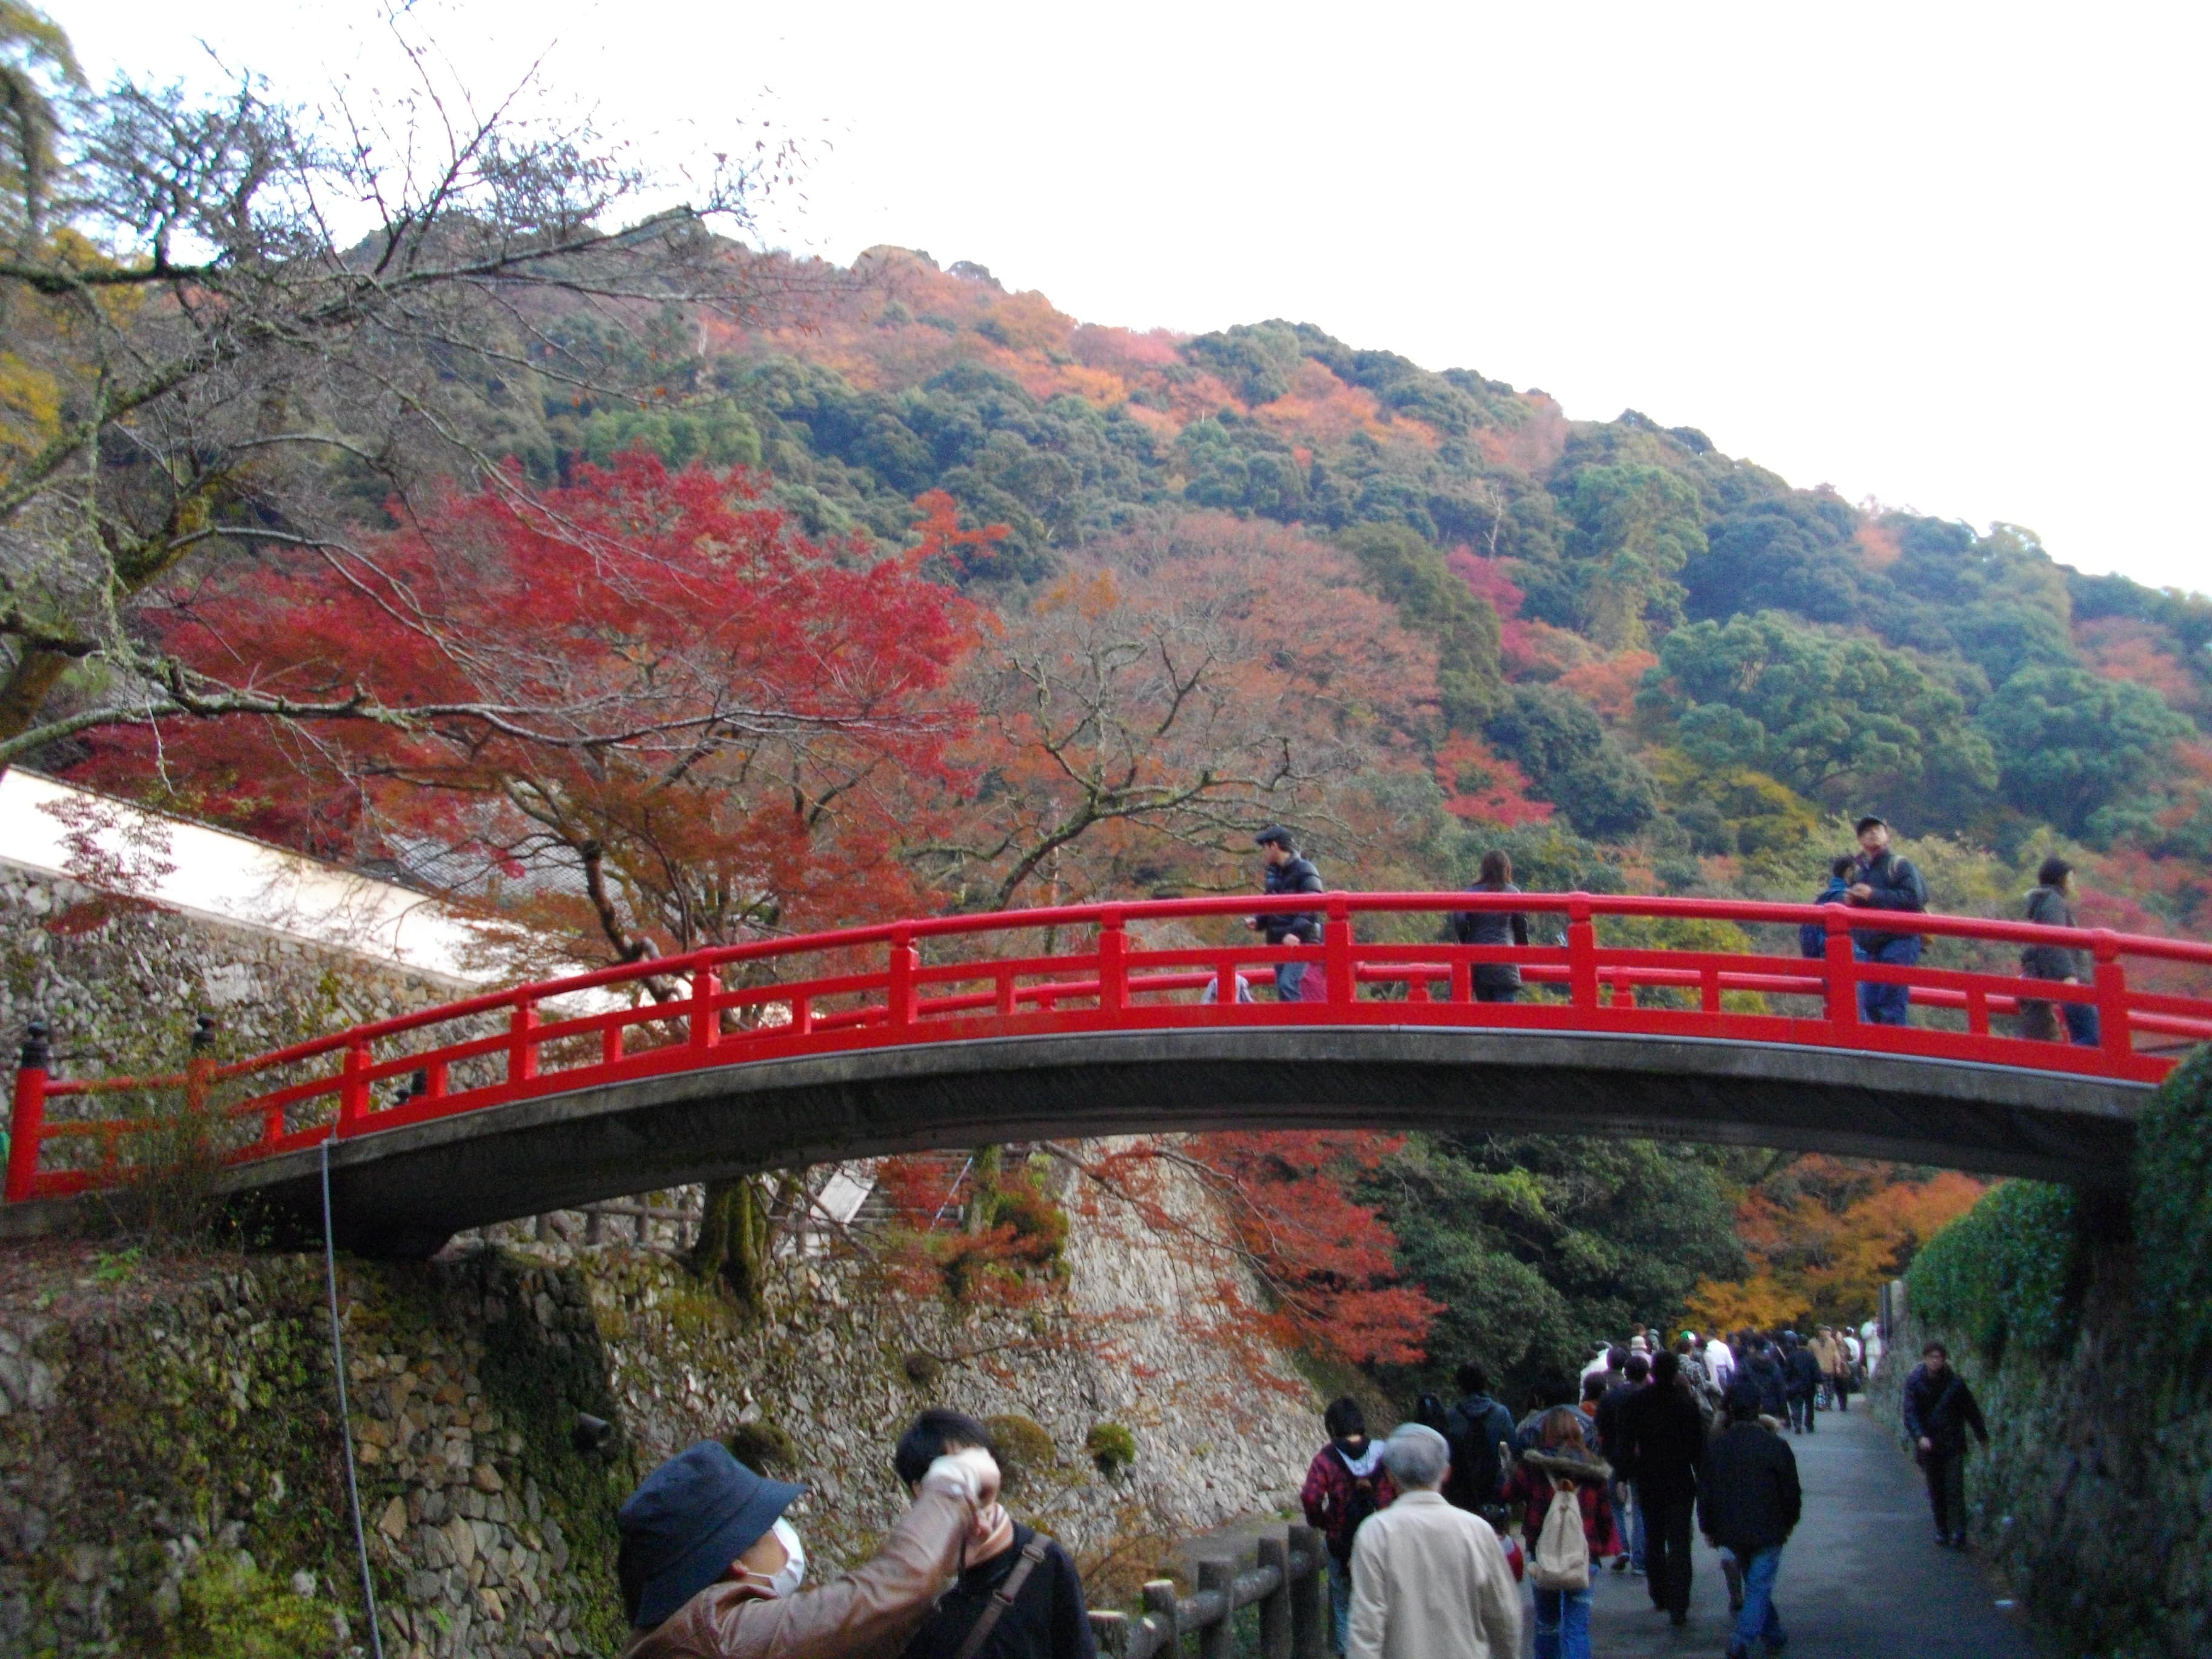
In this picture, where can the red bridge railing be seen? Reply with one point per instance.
(1666, 967)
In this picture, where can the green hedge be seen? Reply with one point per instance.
(2173, 1214)
(2004, 1274)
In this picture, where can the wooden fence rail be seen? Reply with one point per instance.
(1286, 1585)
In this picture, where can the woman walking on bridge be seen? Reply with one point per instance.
(1494, 981)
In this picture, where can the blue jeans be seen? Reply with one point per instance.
(1758, 1622)
(1340, 1605)
(1886, 1005)
(2081, 1023)
(1289, 976)
(1563, 1624)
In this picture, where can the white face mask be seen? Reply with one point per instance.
(787, 1579)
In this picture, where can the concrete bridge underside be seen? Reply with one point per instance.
(403, 1192)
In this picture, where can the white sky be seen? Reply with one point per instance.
(1949, 255)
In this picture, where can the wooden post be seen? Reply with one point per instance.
(900, 991)
(706, 1018)
(1160, 1602)
(1843, 998)
(1581, 953)
(521, 1051)
(1113, 963)
(1308, 1606)
(1275, 1605)
(2114, 1035)
(353, 1089)
(27, 1120)
(1110, 1631)
(1336, 952)
(1217, 1578)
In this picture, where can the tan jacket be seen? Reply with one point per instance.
(1830, 1353)
(1429, 1582)
(866, 1613)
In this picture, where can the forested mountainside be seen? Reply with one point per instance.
(1690, 662)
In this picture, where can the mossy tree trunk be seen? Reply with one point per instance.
(735, 1240)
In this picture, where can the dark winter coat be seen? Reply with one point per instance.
(1474, 1419)
(1765, 1369)
(1296, 875)
(1491, 927)
(1047, 1620)
(1749, 1499)
(1608, 1417)
(2048, 906)
(1897, 886)
(1663, 1439)
(1804, 1372)
(1939, 1410)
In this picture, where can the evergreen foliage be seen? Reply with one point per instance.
(2006, 1274)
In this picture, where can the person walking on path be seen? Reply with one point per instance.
(1430, 1580)
(1494, 981)
(1288, 872)
(709, 1569)
(1720, 1363)
(1748, 1503)
(1634, 1380)
(1762, 1367)
(1939, 1409)
(1345, 1483)
(2051, 903)
(1480, 1431)
(1662, 1440)
(1802, 1372)
(1561, 1460)
(1019, 1596)
(1886, 882)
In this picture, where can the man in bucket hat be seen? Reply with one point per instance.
(711, 1570)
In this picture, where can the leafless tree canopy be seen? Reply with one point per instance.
(241, 322)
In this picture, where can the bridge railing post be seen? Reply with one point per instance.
(27, 1117)
(1336, 952)
(353, 1088)
(899, 992)
(1841, 998)
(1113, 963)
(706, 1018)
(1581, 953)
(521, 1047)
(2114, 1035)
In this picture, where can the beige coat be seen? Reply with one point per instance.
(864, 1614)
(1431, 1582)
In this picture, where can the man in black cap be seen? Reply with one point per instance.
(1288, 872)
(710, 1569)
(1886, 882)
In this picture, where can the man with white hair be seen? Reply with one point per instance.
(1430, 1580)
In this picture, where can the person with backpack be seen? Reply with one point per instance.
(1428, 1580)
(1886, 882)
(1813, 936)
(1019, 1596)
(1749, 1504)
(1762, 1367)
(1802, 1371)
(1288, 872)
(1660, 1441)
(1494, 981)
(1481, 1431)
(1939, 1409)
(2051, 903)
(1345, 1483)
(1560, 1486)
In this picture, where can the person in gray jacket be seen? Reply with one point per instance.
(1494, 981)
(2050, 902)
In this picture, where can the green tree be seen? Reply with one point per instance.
(1574, 761)
(2072, 744)
(1635, 529)
(1412, 575)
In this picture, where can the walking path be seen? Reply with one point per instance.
(1860, 1579)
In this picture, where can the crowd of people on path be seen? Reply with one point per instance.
(1655, 1442)
(1877, 877)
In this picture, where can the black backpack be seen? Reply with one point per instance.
(1362, 1503)
(1477, 1473)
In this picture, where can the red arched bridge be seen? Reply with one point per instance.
(1694, 1019)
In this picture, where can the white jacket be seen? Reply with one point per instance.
(1431, 1582)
